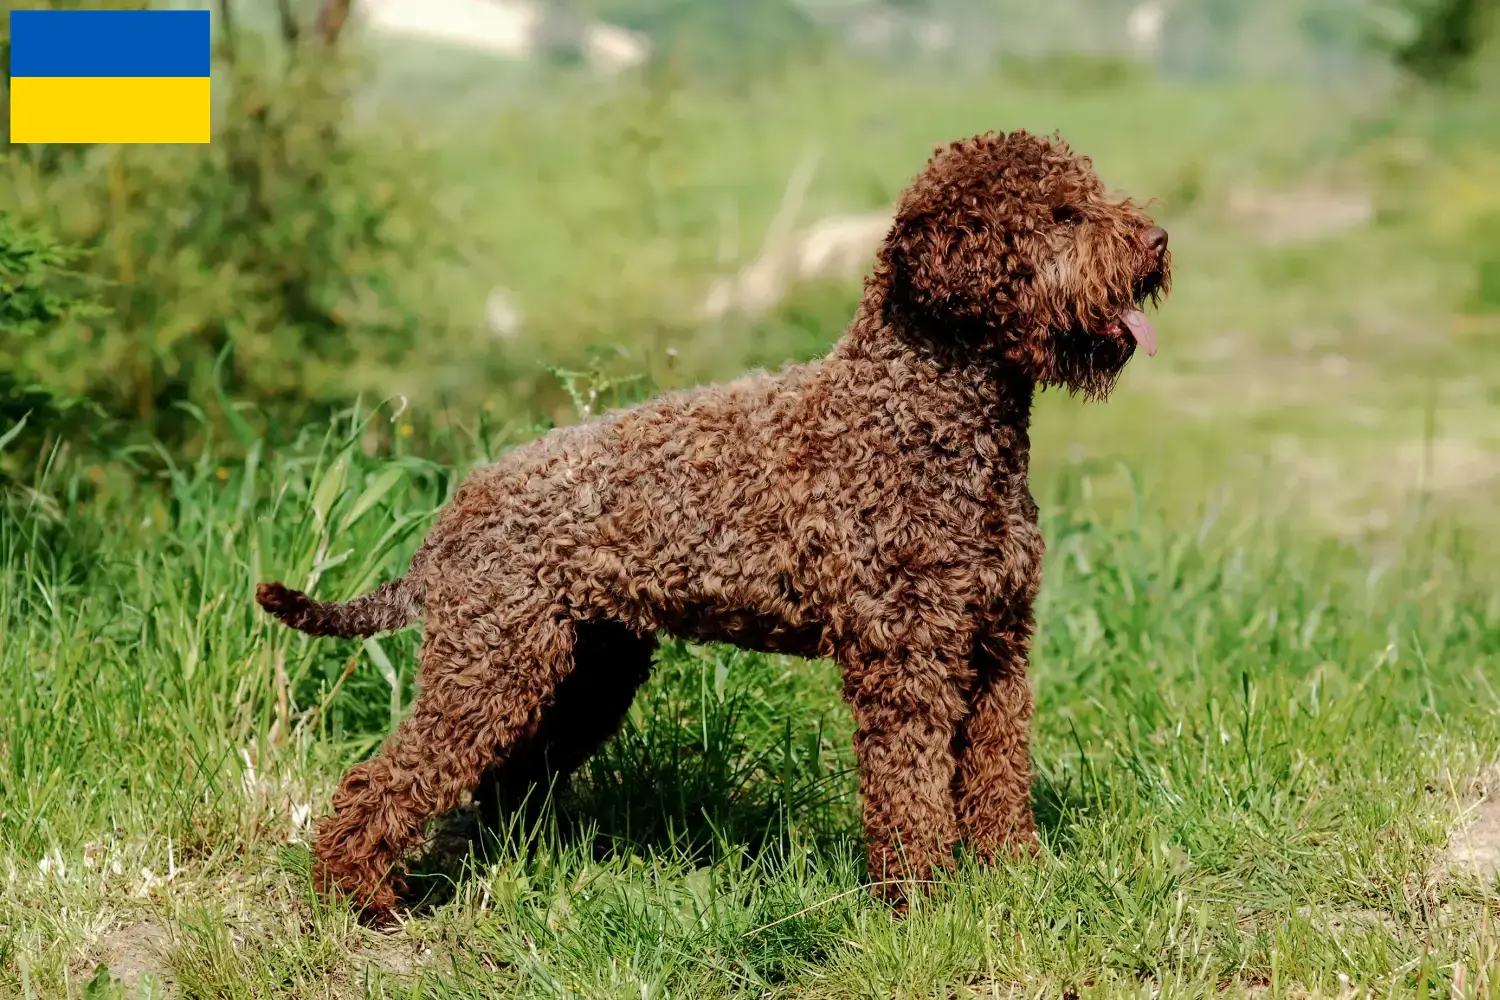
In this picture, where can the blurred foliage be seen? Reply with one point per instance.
(1449, 35)
(1075, 73)
(1474, 196)
(307, 255)
(40, 293)
(280, 247)
(1486, 298)
(717, 39)
(1453, 50)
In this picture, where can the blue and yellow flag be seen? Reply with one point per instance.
(109, 75)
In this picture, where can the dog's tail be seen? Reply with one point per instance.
(388, 607)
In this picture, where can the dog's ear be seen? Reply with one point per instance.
(953, 262)
(956, 251)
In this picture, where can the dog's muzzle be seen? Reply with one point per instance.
(1133, 322)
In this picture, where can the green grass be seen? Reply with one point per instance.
(1261, 713)
(1250, 752)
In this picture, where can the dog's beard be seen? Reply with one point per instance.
(1086, 363)
(1085, 354)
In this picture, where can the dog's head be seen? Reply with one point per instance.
(1010, 244)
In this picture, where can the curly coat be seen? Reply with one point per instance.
(872, 508)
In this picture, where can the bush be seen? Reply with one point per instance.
(278, 264)
(1449, 35)
(39, 295)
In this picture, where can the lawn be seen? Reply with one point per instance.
(1266, 670)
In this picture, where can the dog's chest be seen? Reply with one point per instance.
(1010, 546)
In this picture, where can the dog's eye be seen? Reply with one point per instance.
(1066, 215)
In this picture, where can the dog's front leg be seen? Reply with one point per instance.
(906, 705)
(993, 790)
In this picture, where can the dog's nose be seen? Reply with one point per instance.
(1155, 239)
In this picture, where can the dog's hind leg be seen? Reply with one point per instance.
(486, 677)
(610, 662)
(993, 789)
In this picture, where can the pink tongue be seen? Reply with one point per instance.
(1141, 329)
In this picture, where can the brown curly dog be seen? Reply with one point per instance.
(872, 507)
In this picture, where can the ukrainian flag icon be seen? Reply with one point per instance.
(109, 76)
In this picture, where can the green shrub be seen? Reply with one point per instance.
(1450, 35)
(40, 295)
(291, 247)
